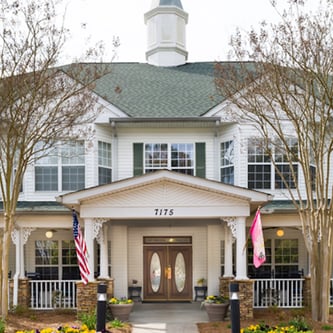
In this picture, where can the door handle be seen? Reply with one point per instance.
(168, 272)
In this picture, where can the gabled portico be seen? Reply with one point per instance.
(165, 203)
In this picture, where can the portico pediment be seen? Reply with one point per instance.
(164, 194)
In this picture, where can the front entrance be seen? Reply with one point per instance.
(167, 269)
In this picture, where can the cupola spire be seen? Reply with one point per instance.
(166, 22)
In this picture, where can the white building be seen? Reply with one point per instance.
(166, 229)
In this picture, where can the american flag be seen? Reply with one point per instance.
(81, 249)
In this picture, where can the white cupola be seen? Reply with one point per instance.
(166, 22)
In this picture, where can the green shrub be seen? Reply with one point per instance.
(327, 327)
(300, 324)
(2, 325)
(88, 319)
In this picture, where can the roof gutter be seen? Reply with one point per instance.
(165, 120)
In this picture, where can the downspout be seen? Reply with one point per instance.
(114, 149)
(216, 149)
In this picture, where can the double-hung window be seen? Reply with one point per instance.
(177, 157)
(46, 169)
(286, 173)
(227, 162)
(259, 165)
(73, 169)
(275, 167)
(104, 163)
(187, 158)
(60, 168)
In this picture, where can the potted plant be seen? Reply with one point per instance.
(201, 282)
(121, 308)
(117, 326)
(216, 307)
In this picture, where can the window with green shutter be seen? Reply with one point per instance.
(200, 159)
(187, 158)
(137, 159)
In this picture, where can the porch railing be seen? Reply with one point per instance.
(51, 294)
(286, 293)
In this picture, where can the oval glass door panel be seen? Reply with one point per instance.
(180, 272)
(155, 272)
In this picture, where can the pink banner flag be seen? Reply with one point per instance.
(259, 256)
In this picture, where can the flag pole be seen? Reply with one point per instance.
(248, 234)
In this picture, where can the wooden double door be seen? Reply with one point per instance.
(167, 273)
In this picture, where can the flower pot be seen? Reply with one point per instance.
(216, 312)
(121, 311)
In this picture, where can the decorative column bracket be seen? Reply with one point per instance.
(231, 223)
(26, 233)
(98, 229)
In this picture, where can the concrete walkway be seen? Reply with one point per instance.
(167, 317)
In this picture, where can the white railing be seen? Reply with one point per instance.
(51, 294)
(286, 293)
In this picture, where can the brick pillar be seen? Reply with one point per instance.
(23, 297)
(245, 295)
(11, 292)
(245, 298)
(224, 285)
(86, 295)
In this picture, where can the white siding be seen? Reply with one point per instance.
(126, 138)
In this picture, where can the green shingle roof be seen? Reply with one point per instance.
(38, 206)
(145, 91)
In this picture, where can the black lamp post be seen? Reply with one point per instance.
(234, 307)
(101, 308)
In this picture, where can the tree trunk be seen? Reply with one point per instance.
(320, 280)
(1, 242)
(5, 263)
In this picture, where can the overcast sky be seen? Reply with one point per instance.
(211, 22)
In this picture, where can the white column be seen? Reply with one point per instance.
(20, 238)
(16, 239)
(241, 266)
(214, 236)
(89, 238)
(119, 253)
(103, 242)
(227, 252)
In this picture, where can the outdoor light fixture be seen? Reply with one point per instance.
(49, 234)
(279, 232)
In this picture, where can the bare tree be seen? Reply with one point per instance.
(40, 103)
(282, 84)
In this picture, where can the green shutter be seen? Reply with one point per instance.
(137, 159)
(200, 158)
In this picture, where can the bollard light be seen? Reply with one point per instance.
(234, 289)
(101, 308)
(234, 307)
